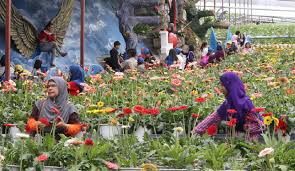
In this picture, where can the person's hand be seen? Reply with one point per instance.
(61, 124)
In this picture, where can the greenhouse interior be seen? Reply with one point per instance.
(147, 85)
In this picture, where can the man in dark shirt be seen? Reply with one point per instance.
(115, 59)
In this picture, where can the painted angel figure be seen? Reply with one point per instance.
(25, 35)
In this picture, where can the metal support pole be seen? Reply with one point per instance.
(204, 4)
(229, 11)
(82, 33)
(235, 12)
(244, 11)
(7, 39)
(214, 5)
(222, 5)
(251, 11)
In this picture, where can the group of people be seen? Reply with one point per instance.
(68, 121)
(130, 60)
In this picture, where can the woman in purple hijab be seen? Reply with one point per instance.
(237, 99)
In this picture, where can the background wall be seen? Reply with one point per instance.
(101, 28)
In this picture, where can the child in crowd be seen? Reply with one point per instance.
(171, 59)
(247, 49)
(204, 48)
(131, 63)
(36, 72)
(230, 48)
(204, 59)
(217, 56)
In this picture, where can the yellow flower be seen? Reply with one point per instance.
(89, 112)
(130, 119)
(149, 166)
(276, 120)
(98, 111)
(178, 129)
(194, 92)
(267, 120)
(100, 104)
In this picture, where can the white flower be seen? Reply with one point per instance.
(73, 141)
(265, 152)
(119, 74)
(22, 135)
(178, 129)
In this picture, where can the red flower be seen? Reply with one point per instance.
(127, 111)
(42, 157)
(44, 121)
(176, 108)
(55, 111)
(196, 116)
(200, 100)
(176, 82)
(267, 114)
(182, 107)
(58, 119)
(89, 142)
(172, 109)
(121, 115)
(9, 125)
(138, 108)
(212, 130)
(232, 111)
(154, 112)
(232, 122)
(282, 125)
(258, 109)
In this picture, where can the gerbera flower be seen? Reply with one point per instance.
(42, 158)
(212, 130)
(232, 122)
(196, 116)
(138, 108)
(100, 104)
(176, 82)
(284, 80)
(44, 121)
(127, 111)
(267, 120)
(200, 100)
(89, 142)
(258, 109)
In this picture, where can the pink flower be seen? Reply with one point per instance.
(111, 165)
(42, 158)
(265, 152)
(176, 82)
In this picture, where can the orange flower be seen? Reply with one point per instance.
(217, 90)
(73, 129)
(284, 80)
(289, 91)
(32, 125)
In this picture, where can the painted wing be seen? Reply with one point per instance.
(23, 33)
(62, 21)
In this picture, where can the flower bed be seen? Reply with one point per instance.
(168, 103)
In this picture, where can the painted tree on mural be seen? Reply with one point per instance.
(128, 20)
(201, 21)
